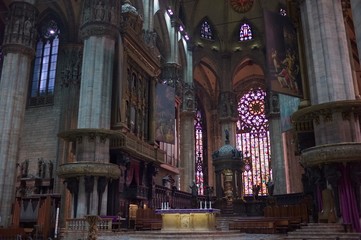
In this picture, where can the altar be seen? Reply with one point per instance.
(188, 219)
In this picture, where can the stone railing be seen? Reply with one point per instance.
(80, 225)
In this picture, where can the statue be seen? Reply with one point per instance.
(194, 189)
(270, 186)
(226, 132)
(256, 188)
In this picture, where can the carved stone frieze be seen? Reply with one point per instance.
(77, 135)
(70, 63)
(188, 101)
(326, 111)
(96, 169)
(20, 28)
(172, 76)
(228, 106)
(331, 153)
(15, 48)
(98, 29)
(105, 11)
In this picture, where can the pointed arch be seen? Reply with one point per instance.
(205, 75)
(58, 16)
(248, 68)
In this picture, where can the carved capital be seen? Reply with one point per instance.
(331, 153)
(20, 28)
(98, 29)
(325, 112)
(188, 103)
(101, 11)
(18, 48)
(96, 169)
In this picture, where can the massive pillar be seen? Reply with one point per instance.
(278, 163)
(334, 109)
(187, 145)
(18, 49)
(87, 179)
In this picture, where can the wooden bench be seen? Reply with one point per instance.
(264, 225)
(151, 224)
(146, 219)
(12, 233)
(253, 225)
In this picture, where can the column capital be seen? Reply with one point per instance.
(100, 17)
(188, 103)
(20, 28)
(172, 76)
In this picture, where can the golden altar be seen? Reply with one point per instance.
(188, 219)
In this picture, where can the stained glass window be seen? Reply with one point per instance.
(43, 82)
(245, 32)
(283, 12)
(206, 31)
(253, 141)
(200, 152)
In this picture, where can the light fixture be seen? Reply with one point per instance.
(170, 12)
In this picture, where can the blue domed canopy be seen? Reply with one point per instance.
(227, 151)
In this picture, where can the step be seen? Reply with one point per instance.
(311, 235)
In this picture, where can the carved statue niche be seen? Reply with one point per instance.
(333, 175)
(24, 169)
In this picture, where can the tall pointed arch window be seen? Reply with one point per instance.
(206, 31)
(253, 141)
(245, 32)
(201, 165)
(43, 80)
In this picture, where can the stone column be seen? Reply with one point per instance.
(18, 50)
(329, 69)
(99, 30)
(333, 101)
(187, 144)
(278, 162)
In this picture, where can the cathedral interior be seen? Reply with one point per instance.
(119, 108)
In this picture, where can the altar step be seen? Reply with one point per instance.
(324, 231)
(222, 222)
(227, 210)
